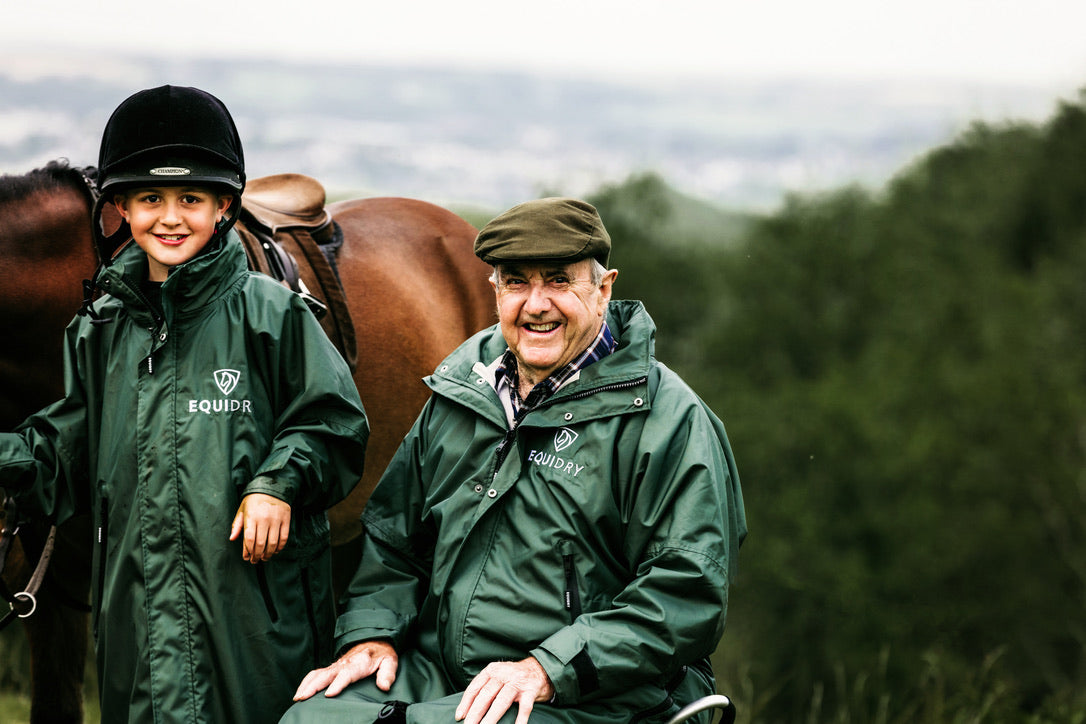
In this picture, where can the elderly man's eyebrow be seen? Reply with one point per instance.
(546, 271)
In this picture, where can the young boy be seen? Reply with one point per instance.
(207, 424)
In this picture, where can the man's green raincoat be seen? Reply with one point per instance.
(169, 418)
(598, 536)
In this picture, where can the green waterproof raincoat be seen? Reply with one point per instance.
(169, 418)
(599, 536)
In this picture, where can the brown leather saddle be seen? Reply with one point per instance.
(289, 235)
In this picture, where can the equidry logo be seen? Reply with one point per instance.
(562, 440)
(226, 381)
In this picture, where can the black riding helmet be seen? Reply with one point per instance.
(168, 136)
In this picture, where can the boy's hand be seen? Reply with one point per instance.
(266, 522)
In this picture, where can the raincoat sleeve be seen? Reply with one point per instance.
(45, 460)
(383, 599)
(318, 450)
(686, 522)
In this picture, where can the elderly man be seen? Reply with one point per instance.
(558, 530)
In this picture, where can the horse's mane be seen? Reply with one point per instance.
(54, 176)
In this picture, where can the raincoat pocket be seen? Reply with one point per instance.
(265, 592)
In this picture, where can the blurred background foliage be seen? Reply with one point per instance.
(903, 379)
(902, 373)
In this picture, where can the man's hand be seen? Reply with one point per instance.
(359, 662)
(493, 691)
(266, 522)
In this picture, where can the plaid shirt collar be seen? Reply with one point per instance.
(602, 346)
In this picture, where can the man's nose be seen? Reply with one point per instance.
(538, 298)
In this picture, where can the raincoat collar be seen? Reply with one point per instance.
(189, 286)
(468, 373)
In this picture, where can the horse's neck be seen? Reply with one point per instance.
(46, 251)
(46, 226)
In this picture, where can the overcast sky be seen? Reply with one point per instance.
(1037, 42)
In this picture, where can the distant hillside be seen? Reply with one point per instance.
(705, 224)
(683, 219)
(491, 139)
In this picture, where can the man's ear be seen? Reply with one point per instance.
(605, 288)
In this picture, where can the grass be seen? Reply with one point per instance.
(15, 679)
(15, 709)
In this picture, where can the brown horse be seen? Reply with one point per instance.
(414, 290)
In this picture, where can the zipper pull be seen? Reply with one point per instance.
(155, 335)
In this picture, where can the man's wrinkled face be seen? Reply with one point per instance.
(549, 313)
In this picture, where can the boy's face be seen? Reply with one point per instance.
(171, 223)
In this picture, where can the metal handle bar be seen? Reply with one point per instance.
(705, 703)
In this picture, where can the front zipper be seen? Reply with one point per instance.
(156, 336)
(99, 560)
(161, 337)
(157, 321)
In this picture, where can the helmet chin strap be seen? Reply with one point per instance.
(107, 245)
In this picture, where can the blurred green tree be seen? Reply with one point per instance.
(902, 375)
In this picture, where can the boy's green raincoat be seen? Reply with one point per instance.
(167, 422)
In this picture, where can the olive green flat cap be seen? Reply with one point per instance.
(552, 229)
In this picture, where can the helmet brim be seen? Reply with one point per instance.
(160, 167)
